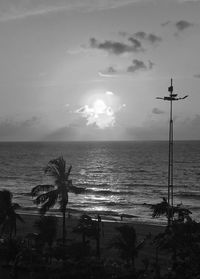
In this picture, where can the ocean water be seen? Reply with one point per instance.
(119, 177)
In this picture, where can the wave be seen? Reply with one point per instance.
(188, 195)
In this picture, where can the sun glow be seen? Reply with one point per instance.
(100, 109)
(99, 106)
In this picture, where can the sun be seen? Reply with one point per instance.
(99, 107)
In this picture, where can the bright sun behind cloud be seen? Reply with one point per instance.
(99, 106)
(101, 110)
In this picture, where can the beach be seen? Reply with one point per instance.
(108, 231)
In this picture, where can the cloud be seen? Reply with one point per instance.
(101, 111)
(182, 25)
(185, 129)
(12, 130)
(151, 38)
(157, 111)
(109, 72)
(109, 93)
(117, 48)
(197, 76)
(102, 119)
(17, 9)
(138, 65)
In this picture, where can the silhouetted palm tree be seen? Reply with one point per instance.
(8, 216)
(126, 243)
(51, 194)
(163, 208)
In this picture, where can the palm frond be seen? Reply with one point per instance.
(56, 167)
(46, 196)
(41, 188)
(161, 208)
(50, 202)
(52, 170)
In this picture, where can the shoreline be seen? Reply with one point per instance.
(106, 218)
(108, 226)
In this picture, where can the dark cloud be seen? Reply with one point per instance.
(117, 48)
(157, 111)
(183, 24)
(151, 38)
(138, 65)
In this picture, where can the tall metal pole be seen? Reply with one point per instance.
(172, 97)
(170, 161)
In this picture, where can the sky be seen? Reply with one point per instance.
(92, 69)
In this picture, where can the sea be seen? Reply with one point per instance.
(118, 177)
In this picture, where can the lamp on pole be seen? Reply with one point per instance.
(172, 97)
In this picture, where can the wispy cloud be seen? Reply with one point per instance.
(15, 9)
(157, 111)
(136, 66)
(111, 71)
(151, 38)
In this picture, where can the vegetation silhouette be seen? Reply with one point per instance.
(51, 194)
(89, 228)
(163, 208)
(47, 231)
(126, 243)
(8, 215)
(182, 241)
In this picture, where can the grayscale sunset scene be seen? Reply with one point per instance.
(99, 139)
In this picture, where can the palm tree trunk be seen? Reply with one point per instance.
(64, 227)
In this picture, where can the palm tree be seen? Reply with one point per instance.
(126, 243)
(8, 216)
(51, 194)
(163, 208)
